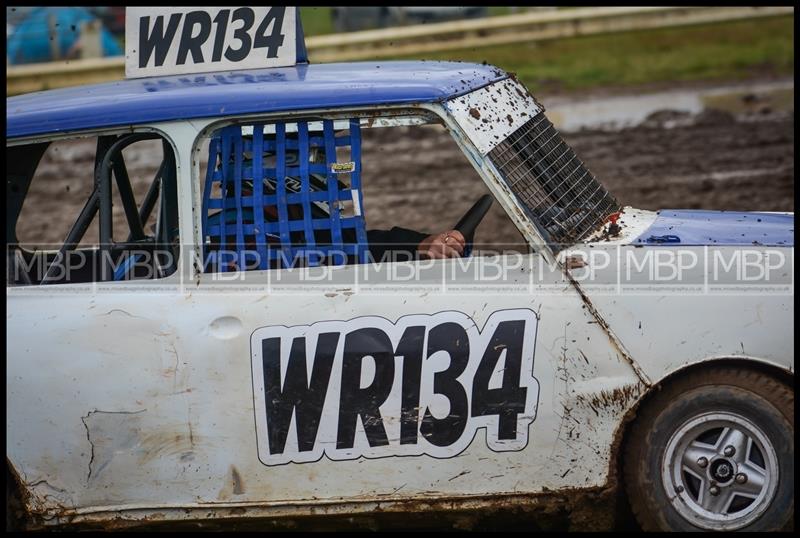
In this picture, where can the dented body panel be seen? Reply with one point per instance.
(145, 403)
(187, 419)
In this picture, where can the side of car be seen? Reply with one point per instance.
(183, 396)
(195, 388)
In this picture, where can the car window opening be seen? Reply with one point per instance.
(127, 224)
(309, 197)
(316, 215)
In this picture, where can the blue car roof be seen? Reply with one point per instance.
(304, 86)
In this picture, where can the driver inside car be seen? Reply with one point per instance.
(395, 244)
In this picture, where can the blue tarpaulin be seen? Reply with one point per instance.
(31, 40)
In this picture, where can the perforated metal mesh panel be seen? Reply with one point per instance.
(294, 215)
(552, 183)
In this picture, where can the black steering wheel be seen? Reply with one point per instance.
(469, 222)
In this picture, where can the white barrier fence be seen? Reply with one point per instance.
(421, 39)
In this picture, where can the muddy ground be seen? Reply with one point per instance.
(416, 177)
(717, 162)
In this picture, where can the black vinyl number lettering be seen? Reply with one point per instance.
(374, 388)
(190, 43)
(247, 17)
(298, 395)
(410, 349)
(453, 339)
(274, 40)
(508, 401)
(158, 41)
(356, 402)
(221, 21)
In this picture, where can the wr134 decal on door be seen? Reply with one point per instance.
(369, 387)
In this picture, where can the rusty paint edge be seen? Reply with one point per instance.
(607, 329)
(122, 517)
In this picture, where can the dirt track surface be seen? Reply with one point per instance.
(424, 182)
(416, 177)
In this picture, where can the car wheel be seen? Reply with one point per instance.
(713, 451)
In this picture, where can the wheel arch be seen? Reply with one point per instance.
(623, 428)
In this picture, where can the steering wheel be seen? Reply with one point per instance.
(469, 222)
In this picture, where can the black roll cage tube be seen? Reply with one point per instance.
(100, 200)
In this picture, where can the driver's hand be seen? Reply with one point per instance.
(448, 244)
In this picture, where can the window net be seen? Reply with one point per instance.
(552, 183)
(284, 195)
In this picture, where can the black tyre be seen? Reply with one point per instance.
(713, 451)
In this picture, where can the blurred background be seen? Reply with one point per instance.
(669, 107)
(47, 34)
(639, 51)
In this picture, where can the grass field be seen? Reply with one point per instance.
(722, 51)
(317, 20)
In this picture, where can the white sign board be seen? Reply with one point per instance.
(359, 404)
(180, 40)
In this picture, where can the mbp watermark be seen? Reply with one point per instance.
(504, 269)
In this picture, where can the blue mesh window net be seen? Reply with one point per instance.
(277, 196)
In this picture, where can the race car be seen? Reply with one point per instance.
(248, 358)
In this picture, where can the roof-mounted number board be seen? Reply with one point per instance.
(181, 40)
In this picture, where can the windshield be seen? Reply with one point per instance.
(552, 183)
(560, 195)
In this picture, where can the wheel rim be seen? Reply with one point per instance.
(720, 471)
